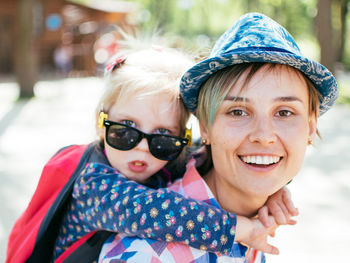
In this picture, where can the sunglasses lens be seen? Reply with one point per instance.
(165, 147)
(121, 137)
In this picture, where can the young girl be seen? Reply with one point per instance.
(142, 129)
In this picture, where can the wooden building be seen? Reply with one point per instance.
(60, 23)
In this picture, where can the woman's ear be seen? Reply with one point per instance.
(204, 134)
(312, 128)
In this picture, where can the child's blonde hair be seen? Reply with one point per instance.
(147, 72)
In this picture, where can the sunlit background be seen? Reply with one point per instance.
(52, 55)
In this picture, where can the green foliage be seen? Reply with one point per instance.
(79, 1)
(198, 23)
(344, 92)
(346, 60)
(191, 18)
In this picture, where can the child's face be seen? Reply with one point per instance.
(150, 114)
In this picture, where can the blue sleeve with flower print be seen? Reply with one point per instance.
(105, 200)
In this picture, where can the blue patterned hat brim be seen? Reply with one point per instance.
(321, 77)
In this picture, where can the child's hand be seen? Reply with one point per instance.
(251, 232)
(281, 207)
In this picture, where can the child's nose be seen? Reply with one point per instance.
(143, 145)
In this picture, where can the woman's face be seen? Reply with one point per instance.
(259, 136)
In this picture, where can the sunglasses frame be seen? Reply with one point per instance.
(149, 138)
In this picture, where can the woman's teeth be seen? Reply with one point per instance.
(138, 163)
(265, 160)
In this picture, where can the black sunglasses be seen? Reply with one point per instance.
(123, 137)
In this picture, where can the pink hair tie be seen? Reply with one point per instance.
(157, 48)
(116, 62)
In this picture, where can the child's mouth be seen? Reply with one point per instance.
(138, 163)
(137, 166)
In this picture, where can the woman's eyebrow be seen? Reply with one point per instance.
(288, 99)
(284, 99)
(235, 98)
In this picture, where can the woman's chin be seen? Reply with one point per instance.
(261, 190)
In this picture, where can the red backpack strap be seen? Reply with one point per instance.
(73, 247)
(87, 249)
(54, 176)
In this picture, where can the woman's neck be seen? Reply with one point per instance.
(232, 199)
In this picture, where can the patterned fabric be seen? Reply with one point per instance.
(257, 38)
(133, 249)
(105, 200)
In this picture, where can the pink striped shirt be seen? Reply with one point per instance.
(133, 249)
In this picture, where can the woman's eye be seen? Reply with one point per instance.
(284, 113)
(129, 123)
(163, 131)
(238, 113)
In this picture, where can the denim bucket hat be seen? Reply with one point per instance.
(257, 38)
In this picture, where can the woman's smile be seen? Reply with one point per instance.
(260, 159)
(260, 162)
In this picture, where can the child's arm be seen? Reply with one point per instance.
(277, 210)
(104, 199)
(251, 232)
(281, 207)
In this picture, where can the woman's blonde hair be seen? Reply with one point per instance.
(216, 88)
(148, 71)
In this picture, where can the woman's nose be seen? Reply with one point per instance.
(263, 132)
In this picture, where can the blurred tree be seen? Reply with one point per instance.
(212, 17)
(324, 32)
(343, 6)
(162, 12)
(251, 5)
(25, 57)
(309, 21)
(157, 15)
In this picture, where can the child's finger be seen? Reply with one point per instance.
(291, 222)
(274, 226)
(289, 203)
(277, 212)
(284, 210)
(270, 249)
(263, 215)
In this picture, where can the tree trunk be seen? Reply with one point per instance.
(25, 56)
(343, 28)
(324, 33)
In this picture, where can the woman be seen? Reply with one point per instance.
(257, 99)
